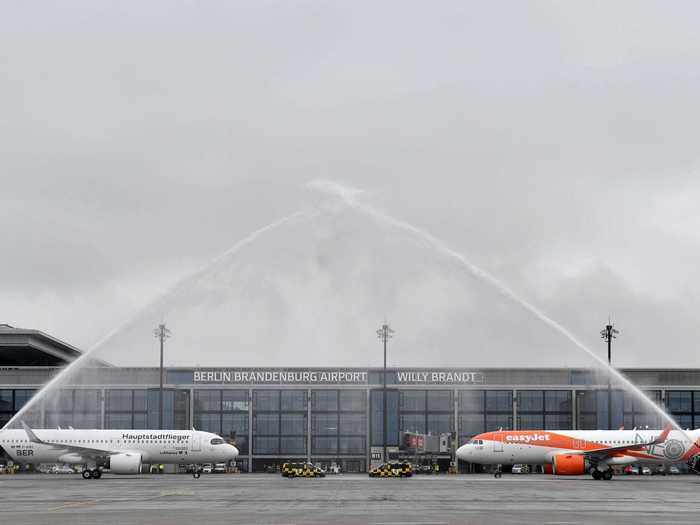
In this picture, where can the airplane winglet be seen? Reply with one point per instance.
(30, 433)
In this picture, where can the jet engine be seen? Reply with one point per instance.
(125, 463)
(570, 465)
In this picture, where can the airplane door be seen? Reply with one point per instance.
(498, 443)
(196, 443)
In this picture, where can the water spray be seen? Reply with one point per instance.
(348, 195)
(172, 291)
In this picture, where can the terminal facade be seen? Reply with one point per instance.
(334, 415)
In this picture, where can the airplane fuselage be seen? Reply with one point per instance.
(539, 447)
(81, 446)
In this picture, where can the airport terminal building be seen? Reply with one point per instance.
(333, 415)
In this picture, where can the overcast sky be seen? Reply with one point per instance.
(554, 144)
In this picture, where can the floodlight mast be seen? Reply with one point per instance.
(608, 334)
(384, 333)
(162, 333)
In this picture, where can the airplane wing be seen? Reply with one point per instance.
(83, 451)
(602, 453)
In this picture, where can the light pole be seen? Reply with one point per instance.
(161, 333)
(608, 334)
(384, 333)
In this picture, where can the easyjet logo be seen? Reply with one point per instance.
(527, 438)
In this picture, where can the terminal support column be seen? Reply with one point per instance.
(102, 408)
(250, 430)
(574, 422)
(308, 425)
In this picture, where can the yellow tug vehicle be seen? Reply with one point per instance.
(398, 469)
(302, 470)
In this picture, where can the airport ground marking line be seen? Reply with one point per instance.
(410, 523)
(73, 504)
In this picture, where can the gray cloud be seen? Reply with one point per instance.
(555, 145)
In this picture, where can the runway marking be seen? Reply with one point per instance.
(410, 523)
(73, 504)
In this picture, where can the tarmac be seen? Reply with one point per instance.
(347, 499)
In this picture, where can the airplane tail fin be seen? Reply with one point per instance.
(663, 436)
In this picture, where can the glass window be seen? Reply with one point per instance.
(679, 401)
(324, 424)
(530, 401)
(6, 404)
(351, 445)
(86, 420)
(440, 401)
(87, 401)
(412, 400)
(22, 397)
(266, 445)
(119, 400)
(234, 400)
(557, 401)
(557, 422)
(140, 421)
(440, 423)
(266, 400)
(413, 423)
(324, 400)
(588, 421)
(207, 401)
(353, 400)
(292, 445)
(140, 400)
(471, 424)
(293, 424)
(324, 445)
(685, 421)
(235, 427)
(293, 400)
(499, 401)
(266, 424)
(587, 401)
(530, 422)
(352, 424)
(499, 421)
(471, 401)
(377, 415)
(118, 421)
(208, 422)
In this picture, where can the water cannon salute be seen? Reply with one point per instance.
(302, 263)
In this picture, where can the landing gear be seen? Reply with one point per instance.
(196, 473)
(96, 474)
(499, 472)
(87, 474)
(92, 474)
(607, 475)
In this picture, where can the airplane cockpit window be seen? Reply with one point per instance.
(217, 441)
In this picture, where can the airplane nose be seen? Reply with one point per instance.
(234, 451)
(463, 452)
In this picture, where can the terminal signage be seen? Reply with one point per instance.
(267, 376)
(333, 376)
(439, 377)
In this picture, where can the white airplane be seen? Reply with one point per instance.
(121, 451)
(575, 452)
